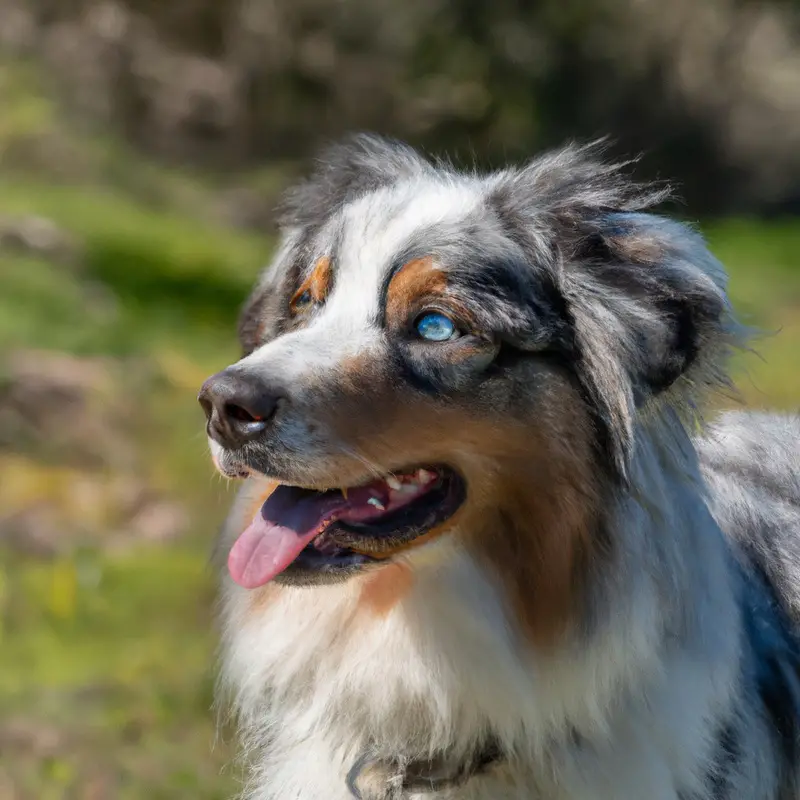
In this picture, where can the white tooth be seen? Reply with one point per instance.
(393, 482)
(373, 501)
(425, 476)
(409, 487)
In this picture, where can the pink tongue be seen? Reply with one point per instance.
(286, 523)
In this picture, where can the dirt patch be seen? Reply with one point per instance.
(70, 466)
(41, 237)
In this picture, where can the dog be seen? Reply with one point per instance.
(488, 544)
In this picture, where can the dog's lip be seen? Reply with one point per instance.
(359, 520)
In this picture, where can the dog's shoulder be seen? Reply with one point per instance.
(760, 447)
(751, 465)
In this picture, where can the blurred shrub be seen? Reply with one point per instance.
(710, 88)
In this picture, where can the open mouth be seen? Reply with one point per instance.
(300, 532)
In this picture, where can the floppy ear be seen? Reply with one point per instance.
(359, 164)
(643, 297)
(651, 317)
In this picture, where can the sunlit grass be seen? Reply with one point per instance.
(114, 650)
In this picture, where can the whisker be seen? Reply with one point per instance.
(373, 467)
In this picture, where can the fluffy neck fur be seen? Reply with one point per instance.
(624, 707)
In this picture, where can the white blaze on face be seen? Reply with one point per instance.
(373, 230)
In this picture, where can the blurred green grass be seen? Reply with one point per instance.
(110, 655)
(763, 261)
(105, 680)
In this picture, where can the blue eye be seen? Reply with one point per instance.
(303, 299)
(435, 327)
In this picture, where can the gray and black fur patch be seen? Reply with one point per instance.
(349, 169)
(776, 661)
(641, 294)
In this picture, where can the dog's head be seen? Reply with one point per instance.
(433, 352)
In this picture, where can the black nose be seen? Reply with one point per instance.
(238, 406)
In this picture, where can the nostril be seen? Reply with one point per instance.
(240, 414)
(238, 407)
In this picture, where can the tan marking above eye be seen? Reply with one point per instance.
(415, 282)
(314, 290)
(422, 285)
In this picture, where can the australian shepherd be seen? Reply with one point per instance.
(485, 547)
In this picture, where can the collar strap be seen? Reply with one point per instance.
(374, 778)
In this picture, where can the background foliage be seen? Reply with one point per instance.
(142, 145)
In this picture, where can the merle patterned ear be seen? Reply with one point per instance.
(665, 289)
(355, 166)
(644, 298)
(650, 312)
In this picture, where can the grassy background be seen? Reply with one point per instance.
(107, 641)
(105, 680)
